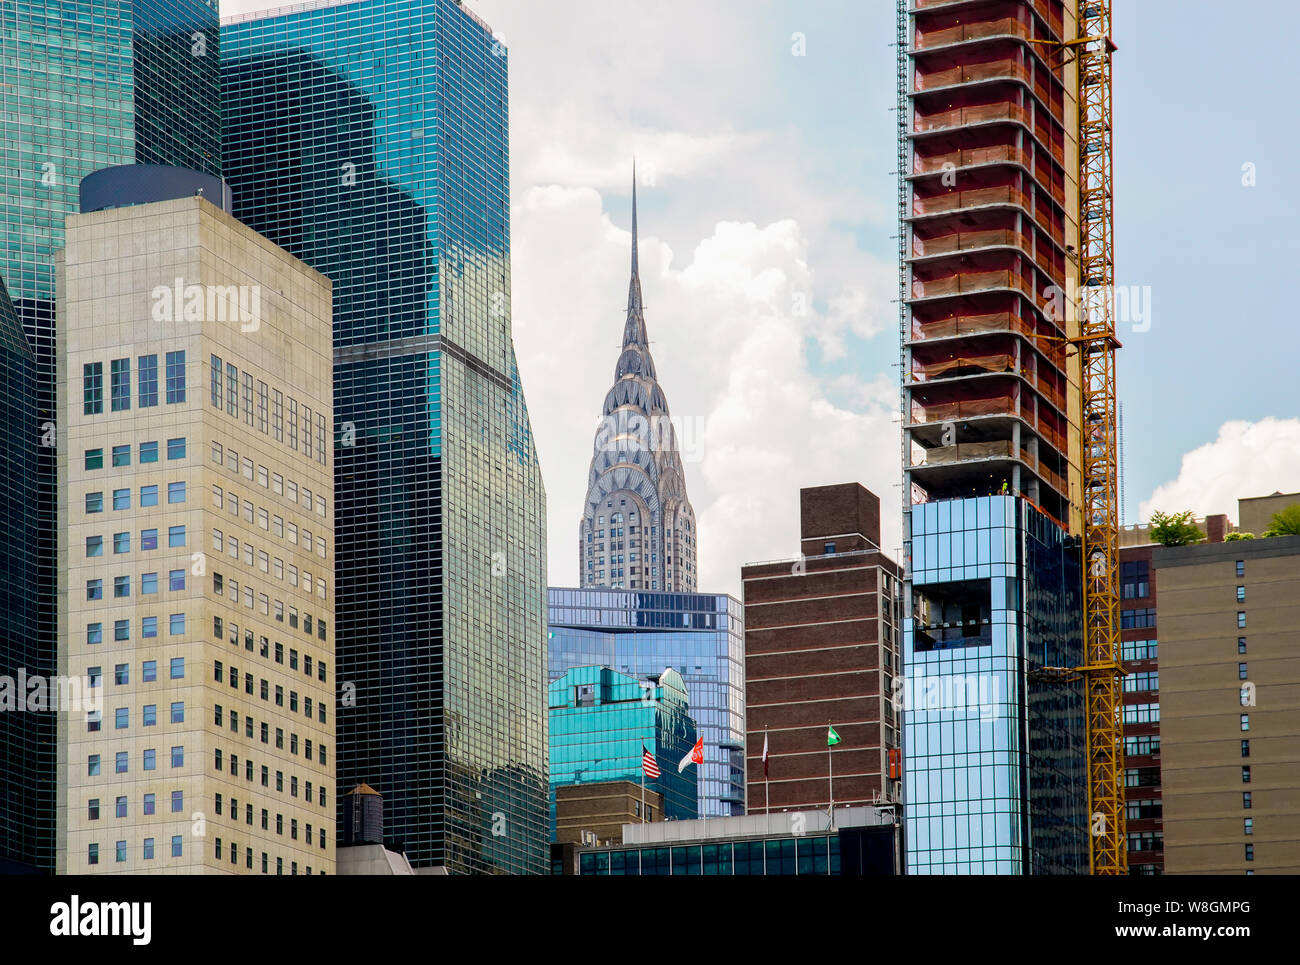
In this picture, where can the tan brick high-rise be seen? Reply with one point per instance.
(196, 547)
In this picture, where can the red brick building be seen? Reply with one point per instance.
(821, 648)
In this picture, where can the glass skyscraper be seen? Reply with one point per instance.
(602, 721)
(370, 139)
(995, 746)
(87, 85)
(700, 635)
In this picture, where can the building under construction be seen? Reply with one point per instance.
(1003, 216)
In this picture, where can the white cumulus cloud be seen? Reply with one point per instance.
(1247, 459)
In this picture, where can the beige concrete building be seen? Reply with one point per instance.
(1230, 705)
(196, 547)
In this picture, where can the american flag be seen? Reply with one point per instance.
(648, 763)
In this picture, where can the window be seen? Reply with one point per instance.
(320, 439)
(248, 399)
(1241, 568)
(151, 759)
(147, 849)
(149, 715)
(149, 671)
(1137, 619)
(119, 384)
(261, 407)
(177, 621)
(176, 845)
(175, 377)
(121, 543)
(1245, 748)
(1146, 680)
(94, 546)
(177, 668)
(1241, 619)
(93, 721)
(121, 674)
(121, 499)
(92, 854)
(176, 536)
(176, 448)
(1241, 594)
(148, 627)
(1241, 671)
(94, 589)
(92, 765)
(94, 502)
(148, 495)
(94, 459)
(1245, 774)
(121, 587)
(121, 630)
(120, 763)
(1245, 800)
(232, 390)
(1245, 721)
(176, 492)
(148, 367)
(214, 380)
(149, 452)
(178, 757)
(1250, 852)
(1241, 644)
(148, 581)
(92, 388)
(1247, 825)
(94, 633)
(176, 580)
(148, 539)
(293, 425)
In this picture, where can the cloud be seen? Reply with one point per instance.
(1247, 459)
(730, 342)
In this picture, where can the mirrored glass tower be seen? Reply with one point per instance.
(86, 86)
(370, 139)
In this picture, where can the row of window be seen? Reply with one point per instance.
(220, 759)
(309, 666)
(148, 628)
(219, 717)
(299, 495)
(146, 850)
(149, 805)
(274, 524)
(122, 762)
(270, 412)
(148, 586)
(1146, 680)
(264, 690)
(148, 716)
(1138, 650)
(148, 497)
(148, 672)
(121, 455)
(92, 383)
(148, 541)
(264, 606)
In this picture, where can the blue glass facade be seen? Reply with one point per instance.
(371, 140)
(700, 635)
(600, 722)
(994, 750)
(87, 85)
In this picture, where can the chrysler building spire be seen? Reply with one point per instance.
(638, 527)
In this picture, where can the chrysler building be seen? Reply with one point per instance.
(638, 528)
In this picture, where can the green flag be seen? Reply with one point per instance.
(832, 738)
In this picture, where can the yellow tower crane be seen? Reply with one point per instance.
(1101, 671)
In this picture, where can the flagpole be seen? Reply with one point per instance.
(767, 794)
(830, 771)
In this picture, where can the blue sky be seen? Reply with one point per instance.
(768, 184)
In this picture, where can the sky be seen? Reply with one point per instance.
(764, 134)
